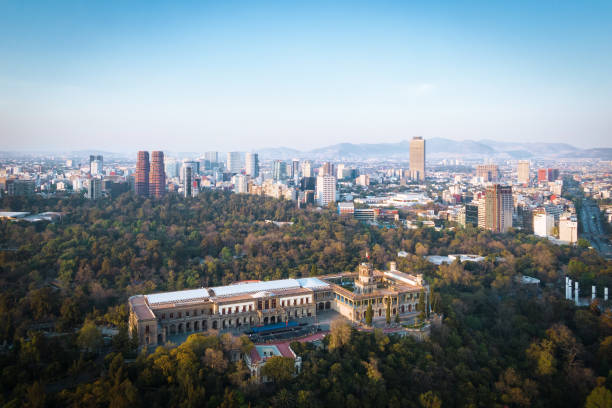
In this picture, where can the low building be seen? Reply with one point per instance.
(260, 354)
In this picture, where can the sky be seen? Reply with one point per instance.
(229, 75)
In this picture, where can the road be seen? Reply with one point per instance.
(592, 230)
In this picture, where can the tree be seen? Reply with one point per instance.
(600, 397)
(368, 315)
(340, 334)
(278, 369)
(388, 311)
(422, 307)
(90, 337)
(430, 400)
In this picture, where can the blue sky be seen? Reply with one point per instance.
(199, 75)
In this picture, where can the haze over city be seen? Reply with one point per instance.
(305, 204)
(242, 75)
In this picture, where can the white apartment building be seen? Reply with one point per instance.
(326, 190)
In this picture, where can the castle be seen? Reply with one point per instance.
(155, 318)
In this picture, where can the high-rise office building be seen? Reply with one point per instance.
(327, 169)
(187, 180)
(488, 172)
(172, 168)
(94, 190)
(545, 175)
(340, 171)
(193, 165)
(279, 171)
(96, 164)
(252, 164)
(141, 178)
(295, 169)
(212, 157)
(157, 175)
(306, 168)
(234, 162)
(417, 158)
(326, 189)
(499, 206)
(523, 171)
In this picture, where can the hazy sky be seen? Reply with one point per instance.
(123, 75)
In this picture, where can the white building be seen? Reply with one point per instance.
(363, 180)
(241, 183)
(306, 168)
(326, 190)
(252, 164)
(234, 162)
(543, 224)
(568, 230)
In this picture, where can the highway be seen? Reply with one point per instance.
(592, 230)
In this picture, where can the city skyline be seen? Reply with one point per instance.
(185, 76)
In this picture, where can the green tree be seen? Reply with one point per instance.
(600, 397)
(388, 311)
(368, 315)
(278, 369)
(89, 337)
(340, 334)
(430, 400)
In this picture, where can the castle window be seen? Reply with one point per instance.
(163, 315)
(171, 315)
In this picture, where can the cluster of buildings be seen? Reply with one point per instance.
(50, 176)
(518, 199)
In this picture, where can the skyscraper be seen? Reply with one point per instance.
(171, 167)
(326, 189)
(212, 157)
(279, 172)
(96, 164)
(187, 180)
(327, 169)
(523, 171)
(252, 165)
(498, 208)
(157, 175)
(94, 190)
(306, 168)
(417, 158)
(295, 169)
(488, 172)
(141, 178)
(234, 162)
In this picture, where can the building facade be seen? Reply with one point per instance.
(523, 172)
(155, 318)
(417, 158)
(252, 165)
(499, 206)
(488, 172)
(157, 175)
(326, 190)
(234, 162)
(141, 178)
(94, 189)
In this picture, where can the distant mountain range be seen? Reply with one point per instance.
(441, 148)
